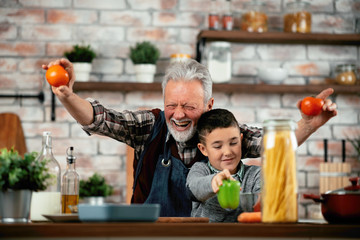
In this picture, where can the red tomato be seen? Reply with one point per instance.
(311, 106)
(56, 76)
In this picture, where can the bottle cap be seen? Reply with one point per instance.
(70, 157)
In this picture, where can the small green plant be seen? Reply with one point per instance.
(95, 186)
(22, 173)
(144, 53)
(80, 54)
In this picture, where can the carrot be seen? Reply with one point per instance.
(249, 217)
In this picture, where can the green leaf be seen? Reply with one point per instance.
(144, 53)
(80, 54)
(95, 186)
(22, 173)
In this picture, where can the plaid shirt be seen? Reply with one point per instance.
(134, 127)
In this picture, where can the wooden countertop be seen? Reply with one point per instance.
(158, 229)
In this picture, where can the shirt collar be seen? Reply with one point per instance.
(239, 175)
(192, 143)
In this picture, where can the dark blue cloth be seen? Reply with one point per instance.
(168, 185)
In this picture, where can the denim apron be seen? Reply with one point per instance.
(168, 186)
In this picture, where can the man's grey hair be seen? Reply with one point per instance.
(189, 70)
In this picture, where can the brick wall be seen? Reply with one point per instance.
(34, 32)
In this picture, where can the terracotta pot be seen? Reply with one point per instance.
(342, 205)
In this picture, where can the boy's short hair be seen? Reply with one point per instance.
(214, 119)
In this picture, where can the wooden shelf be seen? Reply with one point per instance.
(225, 87)
(280, 37)
(102, 230)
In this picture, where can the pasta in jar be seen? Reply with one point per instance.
(279, 189)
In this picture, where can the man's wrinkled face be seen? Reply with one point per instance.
(184, 104)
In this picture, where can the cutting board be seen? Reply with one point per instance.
(182, 220)
(11, 133)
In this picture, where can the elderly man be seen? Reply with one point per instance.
(165, 141)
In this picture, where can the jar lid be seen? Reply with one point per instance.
(280, 124)
(252, 4)
(345, 67)
(220, 44)
(180, 55)
(297, 6)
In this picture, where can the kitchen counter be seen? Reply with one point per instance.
(178, 230)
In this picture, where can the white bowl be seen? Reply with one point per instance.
(272, 75)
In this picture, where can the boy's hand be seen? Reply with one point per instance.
(216, 182)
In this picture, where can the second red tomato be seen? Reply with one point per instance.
(312, 106)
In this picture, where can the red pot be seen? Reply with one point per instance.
(341, 205)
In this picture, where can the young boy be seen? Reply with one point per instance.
(220, 141)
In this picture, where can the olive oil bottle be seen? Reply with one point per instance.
(70, 185)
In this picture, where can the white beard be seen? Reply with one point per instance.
(183, 136)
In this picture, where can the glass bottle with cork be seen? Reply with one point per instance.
(49, 200)
(70, 185)
(279, 183)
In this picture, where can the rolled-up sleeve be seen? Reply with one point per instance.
(130, 127)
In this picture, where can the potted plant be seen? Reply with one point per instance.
(81, 57)
(94, 190)
(19, 177)
(144, 56)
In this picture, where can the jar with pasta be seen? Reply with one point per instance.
(279, 190)
(254, 19)
(297, 18)
(345, 74)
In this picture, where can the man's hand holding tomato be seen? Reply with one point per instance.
(79, 108)
(309, 124)
(63, 91)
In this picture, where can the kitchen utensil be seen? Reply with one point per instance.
(11, 133)
(341, 205)
(109, 212)
(333, 175)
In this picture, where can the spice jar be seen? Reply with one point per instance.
(345, 74)
(179, 57)
(297, 18)
(219, 61)
(279, 190)
(227, 19)
(254, 19)
(214, 16)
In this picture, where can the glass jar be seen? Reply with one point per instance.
(297, 18)
(345, 74)
(255, 18)
(49, 200)
(219, 61)
(279, 189)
